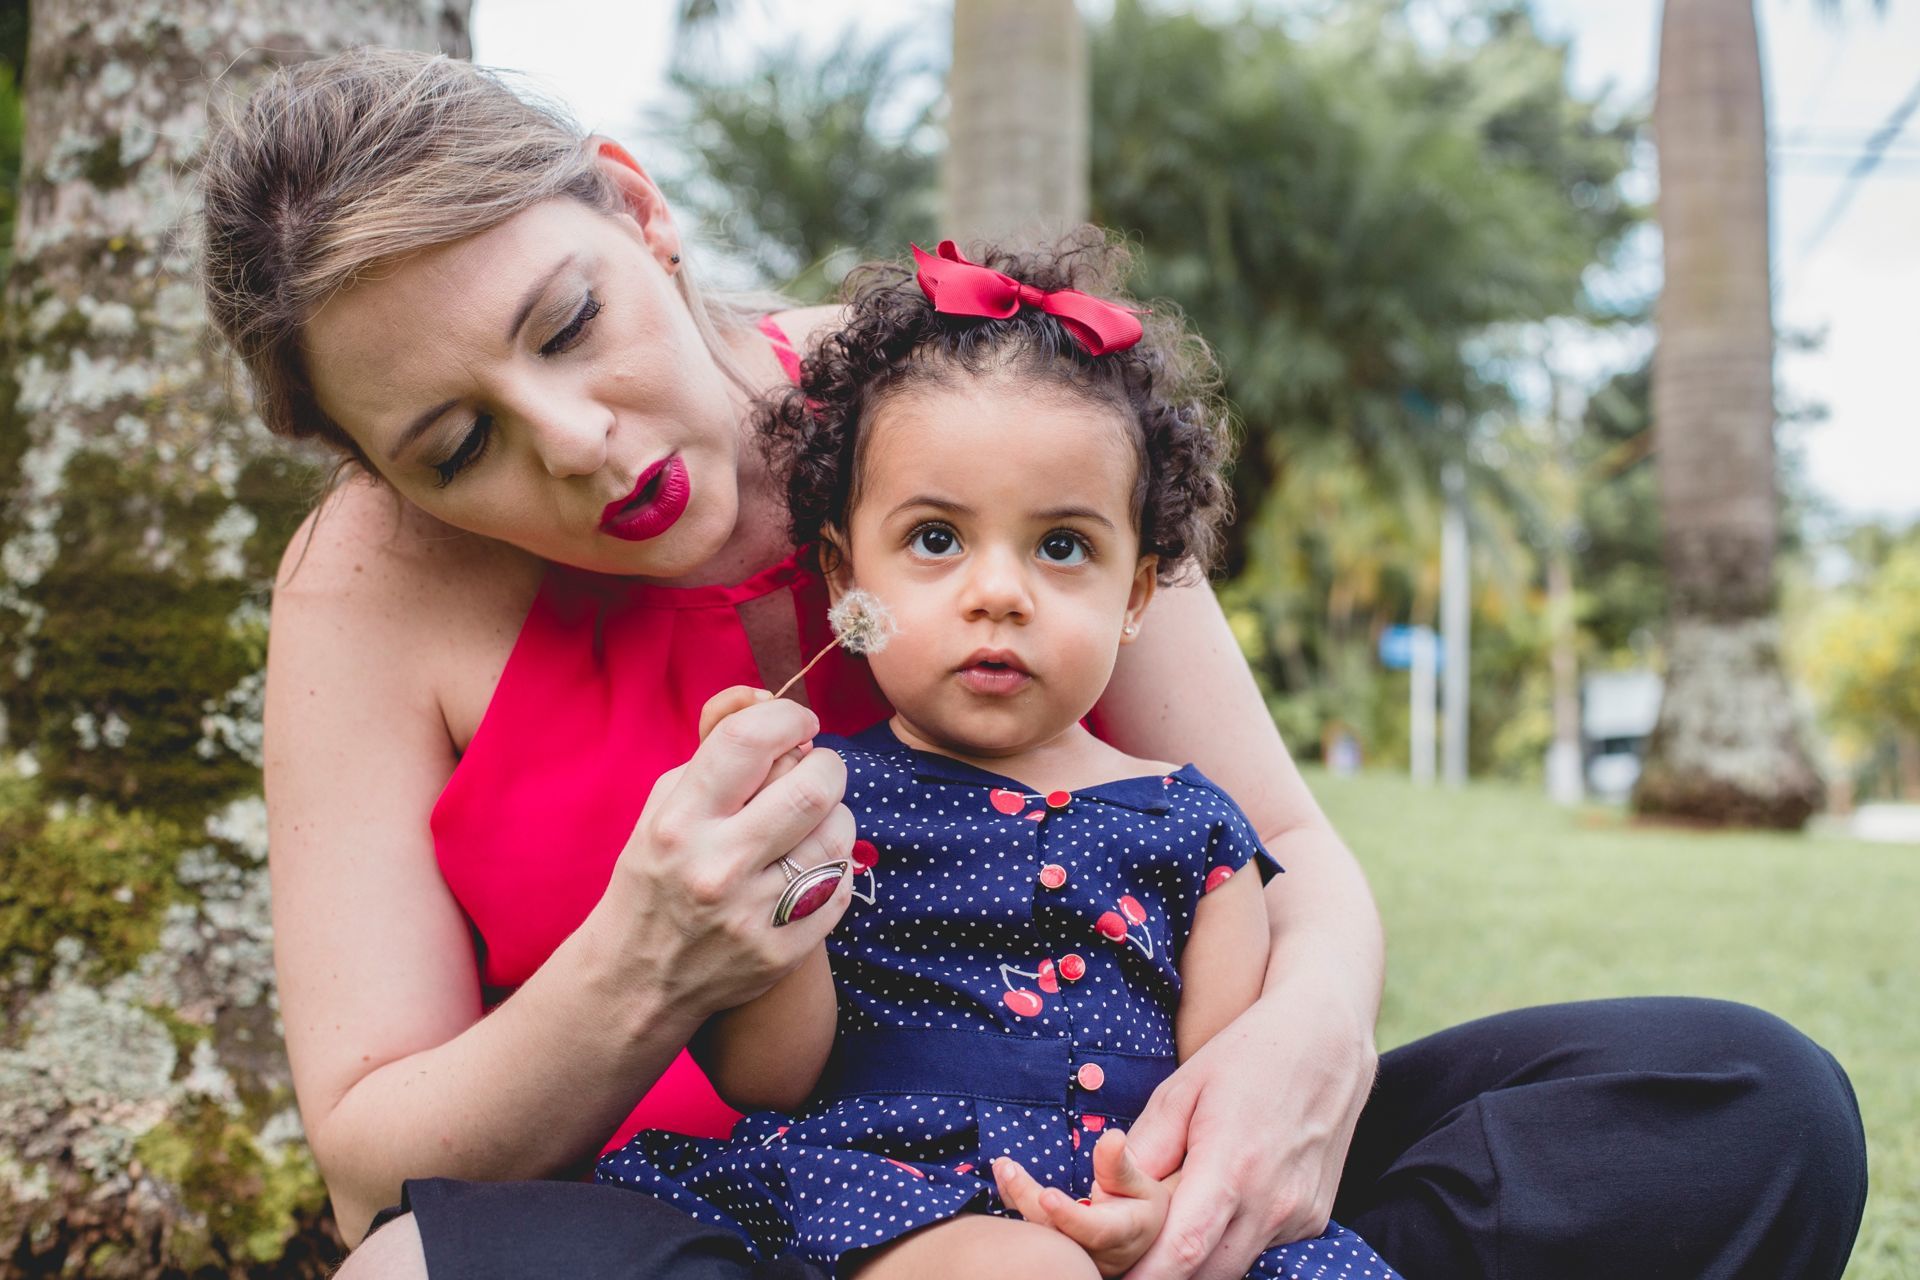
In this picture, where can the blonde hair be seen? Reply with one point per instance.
(333, 168)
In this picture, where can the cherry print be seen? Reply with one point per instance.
(1111, 926)
(1007, 802)
(1058, 799)
(1075, 1135)
(1049, 982)
(1036, 815)
(1073, 967)
(1130, 908)
(965, 1166)
(1094, 1124)
(1023, 1002)
(1217, 877)
(1053, 875)
(1086, 1200)
(865, 856)
(909, 1168)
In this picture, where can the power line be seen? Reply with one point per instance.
(1869, 160)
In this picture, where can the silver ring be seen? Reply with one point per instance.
(808, 889)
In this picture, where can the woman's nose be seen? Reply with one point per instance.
(571, 438)
(997, 586)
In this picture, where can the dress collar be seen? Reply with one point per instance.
(1148, 793)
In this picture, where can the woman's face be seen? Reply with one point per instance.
(542, 383)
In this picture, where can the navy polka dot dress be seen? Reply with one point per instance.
(1007, 978)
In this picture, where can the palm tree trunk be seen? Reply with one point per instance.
(1017, 133)
(1730, 746)
(146, 1114)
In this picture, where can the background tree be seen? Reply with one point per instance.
(147, 1124)
(1017, 129)
(1730, 746)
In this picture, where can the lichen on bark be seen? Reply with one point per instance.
(147, 1123)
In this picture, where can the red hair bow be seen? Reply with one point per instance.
(957, 287)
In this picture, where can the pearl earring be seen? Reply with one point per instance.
(1129, 629)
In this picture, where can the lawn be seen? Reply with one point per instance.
(1493, 899)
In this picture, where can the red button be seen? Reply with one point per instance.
(1090, 1076)
(1072, 967)
(1053, 875)
(1058, 799)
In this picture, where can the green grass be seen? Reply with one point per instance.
(1495, 899)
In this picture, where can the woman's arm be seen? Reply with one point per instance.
(1300, 1062)
(397, 1073)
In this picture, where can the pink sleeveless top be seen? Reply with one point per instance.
(600, 696)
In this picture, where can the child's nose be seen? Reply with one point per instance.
(997, 586)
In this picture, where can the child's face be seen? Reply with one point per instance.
(995, 521)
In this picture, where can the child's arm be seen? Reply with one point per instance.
(767, 1054)
(1225, 960)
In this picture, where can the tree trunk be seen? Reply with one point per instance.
(1017, 129)
(147, 1124)
(1730, 745)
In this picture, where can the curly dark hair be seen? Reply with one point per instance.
(1167, 386)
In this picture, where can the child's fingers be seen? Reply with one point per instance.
(1099, 1227)
(725, 703)
(1020, 1191)
(1117, 1173)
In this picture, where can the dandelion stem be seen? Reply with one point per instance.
(795, 679)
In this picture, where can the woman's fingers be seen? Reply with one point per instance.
(733, 763)
(791, 808)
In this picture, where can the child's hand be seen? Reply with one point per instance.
(1125, 1217)
(738, 698)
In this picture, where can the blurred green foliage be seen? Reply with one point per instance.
(13, 64)
(808, 165)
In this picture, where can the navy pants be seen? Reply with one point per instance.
(1651, 1138)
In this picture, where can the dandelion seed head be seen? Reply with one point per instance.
(861, 623)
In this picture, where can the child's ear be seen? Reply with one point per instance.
(1146, 576)
(835, 563)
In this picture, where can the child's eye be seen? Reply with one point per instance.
(1063, 547)
(935, 541)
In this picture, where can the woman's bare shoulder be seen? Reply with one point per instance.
(365, 544)
(803, 324)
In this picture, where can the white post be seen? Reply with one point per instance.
(1421, 711)
(1455, 620)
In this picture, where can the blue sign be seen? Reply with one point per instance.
(1396, 647)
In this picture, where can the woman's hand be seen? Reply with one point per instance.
(690, 905)
(1258, 1121)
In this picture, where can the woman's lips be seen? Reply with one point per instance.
(634, 521)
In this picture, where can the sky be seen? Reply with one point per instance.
(1831, 82)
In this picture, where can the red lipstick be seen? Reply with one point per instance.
(659, 497)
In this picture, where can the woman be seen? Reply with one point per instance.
(508, 887)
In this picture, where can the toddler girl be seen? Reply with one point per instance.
(1043, 926)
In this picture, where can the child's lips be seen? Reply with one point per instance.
(995, 679)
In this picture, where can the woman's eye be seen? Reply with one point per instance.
(468, 452)
(1061, 547)
(934, 541)
(569, 337)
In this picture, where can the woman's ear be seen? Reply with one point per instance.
(1146, 576)
(835, 564)
(645, 205)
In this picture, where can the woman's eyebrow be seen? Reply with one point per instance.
(525, 308)
(417, 428)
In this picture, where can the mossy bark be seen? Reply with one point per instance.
(147, 1125)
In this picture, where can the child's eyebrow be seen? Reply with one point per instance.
(929, 500)
(1073, 513)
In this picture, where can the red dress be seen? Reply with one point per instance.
(601, 695)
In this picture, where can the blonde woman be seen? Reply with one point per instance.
(510, 880)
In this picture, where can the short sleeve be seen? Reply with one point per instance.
(1235, 846)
